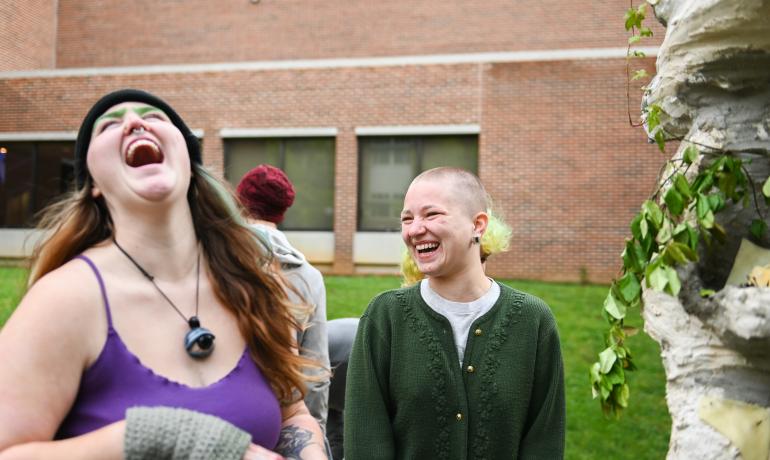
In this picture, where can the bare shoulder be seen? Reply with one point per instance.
(71, 289)
(66, 302)
(56, 332)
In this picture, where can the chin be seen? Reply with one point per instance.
(157, 192)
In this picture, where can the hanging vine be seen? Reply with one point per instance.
(666, 232)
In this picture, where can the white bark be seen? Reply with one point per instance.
(713, 83)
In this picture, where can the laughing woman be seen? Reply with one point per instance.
(456, 366)
(152, 327)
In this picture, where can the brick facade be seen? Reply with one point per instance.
(142, 32)
(555, 147)
(27, 34)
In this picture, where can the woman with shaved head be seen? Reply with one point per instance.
(456, 366)
(153, 326)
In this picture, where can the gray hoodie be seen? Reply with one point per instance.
(313, 342)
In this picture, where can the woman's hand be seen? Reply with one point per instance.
(255, 452)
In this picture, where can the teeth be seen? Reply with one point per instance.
(424, 246)
(141, 143)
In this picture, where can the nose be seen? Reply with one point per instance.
(133, 123)
(415, 228)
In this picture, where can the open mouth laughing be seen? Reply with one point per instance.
(426, 248)
(143, 152)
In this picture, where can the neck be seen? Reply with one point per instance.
(466, 286)
(163, 244)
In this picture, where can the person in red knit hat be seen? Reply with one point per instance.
(266, 193)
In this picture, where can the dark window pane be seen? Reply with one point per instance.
(458, 151)
(388, 165)
(309, 164)
(32, 175)
(244, 154)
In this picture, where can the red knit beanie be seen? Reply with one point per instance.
(266, 192)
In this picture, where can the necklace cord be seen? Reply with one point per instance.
(152, 280)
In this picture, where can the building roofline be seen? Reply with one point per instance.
(387, 61)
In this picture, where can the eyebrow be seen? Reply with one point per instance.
(114, 114)
(422, 209)
(121, 112)
(146, 109)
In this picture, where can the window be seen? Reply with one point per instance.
(32, 175)
(389, 163)
(309, 164)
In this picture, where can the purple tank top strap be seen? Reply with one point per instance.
(101, 286)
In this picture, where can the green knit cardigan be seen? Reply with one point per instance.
(407, 398)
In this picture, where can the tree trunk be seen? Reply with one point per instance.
(713, 83)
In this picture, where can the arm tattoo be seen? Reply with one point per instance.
(292, 441)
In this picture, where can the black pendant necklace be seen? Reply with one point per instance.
(199, 341)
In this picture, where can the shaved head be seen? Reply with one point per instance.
(466, 187)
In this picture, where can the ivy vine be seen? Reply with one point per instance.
(666, 232)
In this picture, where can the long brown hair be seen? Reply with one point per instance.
(239, 269)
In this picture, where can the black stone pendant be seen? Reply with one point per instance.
(199, 342)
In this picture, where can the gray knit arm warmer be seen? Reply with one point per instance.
(166, 433)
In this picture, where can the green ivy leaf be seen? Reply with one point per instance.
(660, 139)
(693, 243)
(639, 54)
(621, 395)
(674, 201)
(653, 117)
(707, 292)
(606, 360)
(615, 308)
(665, 233)
(645, 32)
(634, 39)
(641, 13)
(629, 288)
(758, 228)
(630, 18)
(690, 154)
(682, 186)
(708, 220)
(687, 251)
(702, 206)
(653, 211)
(605, 389)
(716, 202)
(616, 376)
(766, 188)
(658, 279)
(674, 285)
(639, 74)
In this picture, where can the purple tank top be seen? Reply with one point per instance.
(117, 380)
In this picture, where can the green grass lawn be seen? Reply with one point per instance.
(11, 286)
(642, 432)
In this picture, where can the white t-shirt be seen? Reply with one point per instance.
(461, 315)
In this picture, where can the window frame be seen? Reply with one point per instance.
(392, 133)
(229, 135)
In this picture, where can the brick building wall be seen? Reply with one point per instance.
(555, 147)
(142, 32)
(563, 164)
(555, 150)
(27, 34)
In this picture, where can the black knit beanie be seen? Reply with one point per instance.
(117, 97)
